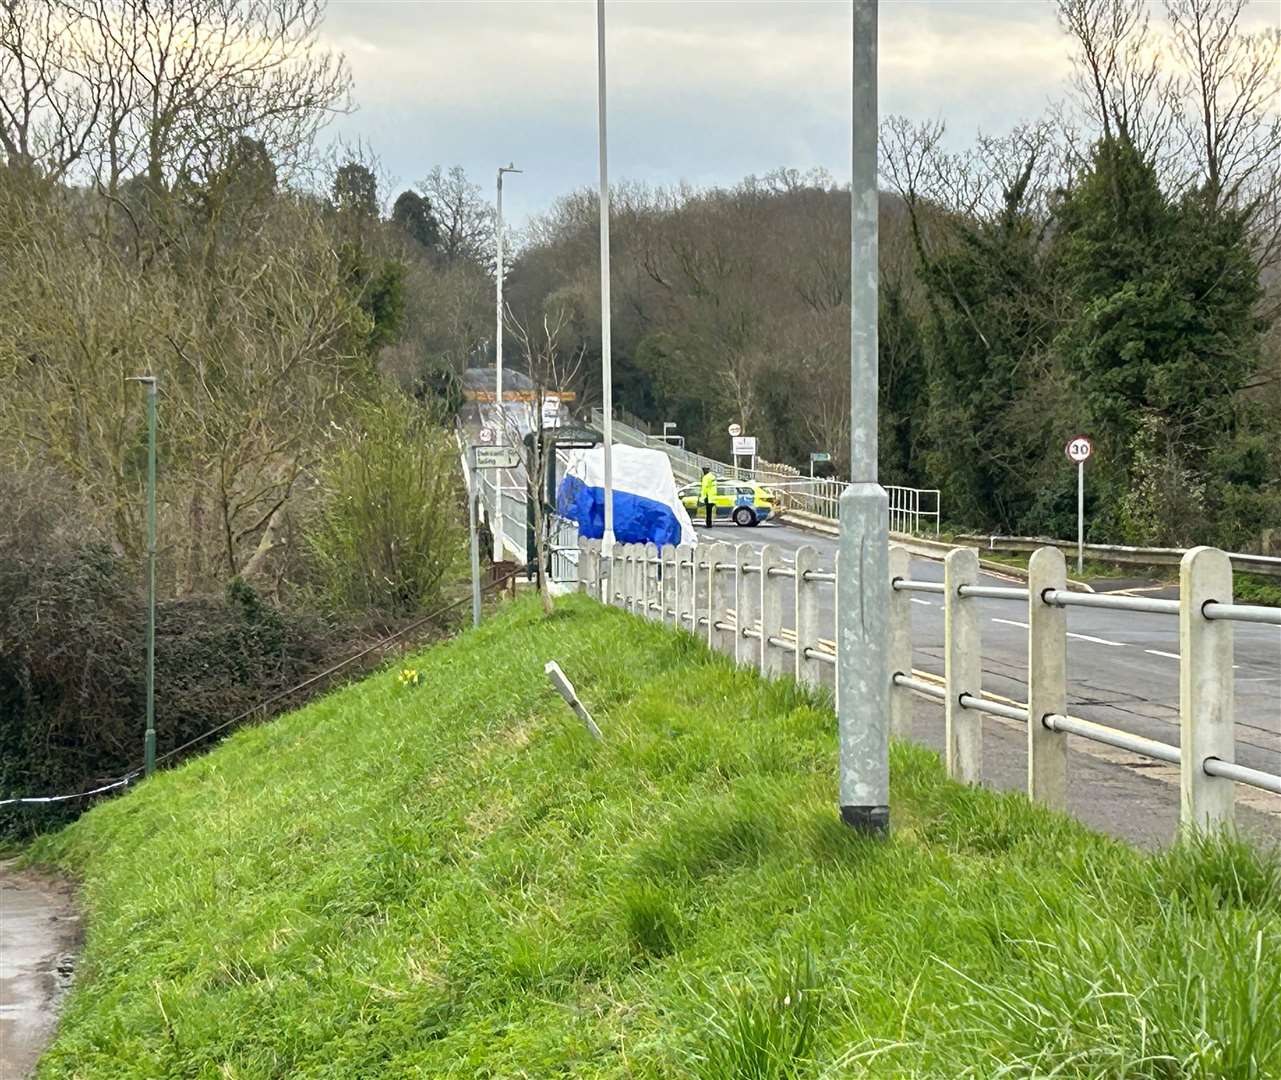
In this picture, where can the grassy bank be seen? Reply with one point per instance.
(451, 879)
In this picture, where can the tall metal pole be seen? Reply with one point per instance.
(472, 496)
(498, 366)
(149, 741)
(863, 671)
(606, 358)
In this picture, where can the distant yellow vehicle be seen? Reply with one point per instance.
(744, 502)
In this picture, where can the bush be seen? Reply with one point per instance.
(390, 526)
(72, 670)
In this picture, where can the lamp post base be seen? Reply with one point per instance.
(872, 820)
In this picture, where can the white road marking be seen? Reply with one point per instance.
(1168, 655)
(1011, 622)
(1097, 640)
(925, 602)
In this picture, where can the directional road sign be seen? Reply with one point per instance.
(496, 457)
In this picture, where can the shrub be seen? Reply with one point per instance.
(72, 670)
(389, 529)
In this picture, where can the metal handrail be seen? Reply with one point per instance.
(996, 708)
(1252, 613)
(1063, 598)
(908, 585)
(1110, 736)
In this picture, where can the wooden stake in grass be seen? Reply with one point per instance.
(566, 690)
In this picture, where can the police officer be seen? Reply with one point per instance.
(706, 493)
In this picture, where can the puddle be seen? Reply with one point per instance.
(39, 939)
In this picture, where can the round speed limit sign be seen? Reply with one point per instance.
(486, 436)
(1079, 449)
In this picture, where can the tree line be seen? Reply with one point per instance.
(166, 208)
(1109, 269)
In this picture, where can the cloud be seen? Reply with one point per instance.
(704, 91)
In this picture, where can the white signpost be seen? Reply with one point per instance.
(1079, 450)
(743, 446)
(484, 456)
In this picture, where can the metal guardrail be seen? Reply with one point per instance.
(1121, 554)
(912, 510)
(735, 597)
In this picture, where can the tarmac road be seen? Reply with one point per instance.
(1123, 667)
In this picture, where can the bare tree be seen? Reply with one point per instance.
(1124, 84)
(466, 218)
(1231, 119)
(553, 369)
(50, 102)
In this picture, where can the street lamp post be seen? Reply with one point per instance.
(498, 367)
(149, 741)
(606, 359)
(863, 590)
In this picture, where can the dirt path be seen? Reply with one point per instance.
(39, 939)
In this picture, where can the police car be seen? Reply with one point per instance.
(744, 502)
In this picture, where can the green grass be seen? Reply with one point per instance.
(1256, 589)
(453, 880)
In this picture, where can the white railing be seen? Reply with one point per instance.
(735, 598)
(912, 510)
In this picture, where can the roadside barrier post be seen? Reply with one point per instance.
(900, 643)
(747, 604)
(589, 568)
(706, 574)
(773, 659)
(638, 579)
(1206, 727)
(683, 582)
(1046, 680)
(808, 670)
(639, 591)
(724, 584)
(667, 585)
(653, 584)
(962, 667)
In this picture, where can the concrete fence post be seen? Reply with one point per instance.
(747, 605)
(666, 584)
(590, 569)
(808, 671)
(638, 579)
(962, 667)
(1046, 680)
(900, 643)
(631, 597)
(681, 583)
(724, 586)
(1206, 728)
(653, 583)
(773, 659)
(707, 601)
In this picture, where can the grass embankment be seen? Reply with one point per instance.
(454, 880)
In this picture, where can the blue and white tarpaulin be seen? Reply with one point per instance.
(646, 509)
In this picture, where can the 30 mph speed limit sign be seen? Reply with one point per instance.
(1079, 449)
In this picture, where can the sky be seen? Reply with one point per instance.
(702, 91)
